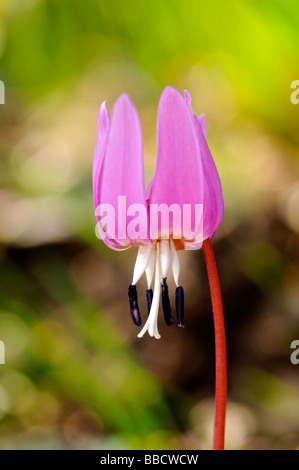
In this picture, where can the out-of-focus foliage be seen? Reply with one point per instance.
(75, 374)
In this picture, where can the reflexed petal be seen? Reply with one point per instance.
(203, 124)
(122, 173)
(179, 176)
(99, 154)
(100, 150)
(213, 199)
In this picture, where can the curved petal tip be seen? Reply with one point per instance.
(188, 97)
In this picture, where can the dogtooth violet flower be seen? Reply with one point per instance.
(185, 177)
(180, 210)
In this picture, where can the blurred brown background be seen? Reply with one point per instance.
(76, 376)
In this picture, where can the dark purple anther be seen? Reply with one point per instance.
(134, 308)
(149, 299)
(179, 305)
(166, 303)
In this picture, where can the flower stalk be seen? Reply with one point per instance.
(220, 346)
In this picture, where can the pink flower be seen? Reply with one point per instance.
(186, 188)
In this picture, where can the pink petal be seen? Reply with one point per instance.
(179, 175)
(213, 199)
(203, 124)
(122, 173)
(188, 98)
(100, 150)
(99, 154)
(213, 202)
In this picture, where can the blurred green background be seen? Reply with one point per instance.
(76, 376)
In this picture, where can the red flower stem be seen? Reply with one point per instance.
(220, 346)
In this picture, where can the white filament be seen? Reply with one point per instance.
(151, 324)
(142, 261)
(165, 257)
(165, 253)
(175, 264)
(150, 268)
